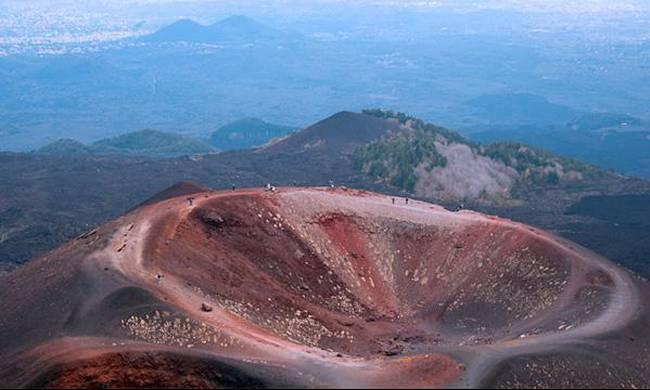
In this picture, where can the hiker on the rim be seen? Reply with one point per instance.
(407, 200)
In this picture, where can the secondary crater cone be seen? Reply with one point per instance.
(317, 287)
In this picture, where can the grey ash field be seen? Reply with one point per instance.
(320, 287)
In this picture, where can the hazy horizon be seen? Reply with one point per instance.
(90, 70)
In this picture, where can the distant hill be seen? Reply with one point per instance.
(153, 142)
(434, 162)
(247, 133)
(232, 29)
(182, 30)
(150, 143)
(242, 27)
(340, 133)
(66, 147)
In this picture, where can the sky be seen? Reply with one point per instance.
(600, 6)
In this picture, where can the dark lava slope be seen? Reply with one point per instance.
(48, 200)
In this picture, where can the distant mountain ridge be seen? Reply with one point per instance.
(66, 146)
(241, 134)
(146, 142)
(232, 29)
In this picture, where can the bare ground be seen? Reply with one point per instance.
(324, 288)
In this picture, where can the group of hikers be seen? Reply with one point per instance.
(406, 200)
(271, 188)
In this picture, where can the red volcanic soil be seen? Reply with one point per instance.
(319, 288)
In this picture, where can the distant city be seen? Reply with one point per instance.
(66, 27)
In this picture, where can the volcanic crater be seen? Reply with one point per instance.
(319, 287)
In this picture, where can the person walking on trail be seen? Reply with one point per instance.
(393, 199)
(233, 187)
(190, 201)
(407, 200)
